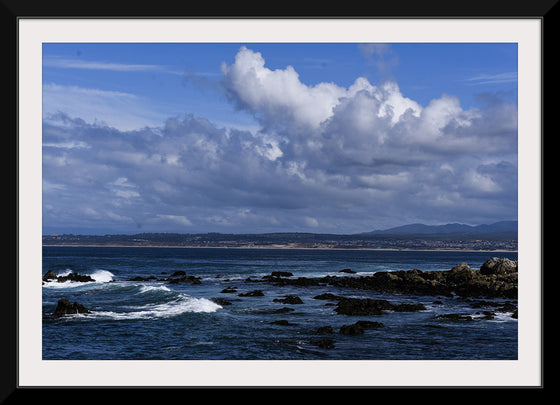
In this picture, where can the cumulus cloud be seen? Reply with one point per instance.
(325, 158)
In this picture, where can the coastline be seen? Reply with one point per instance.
(282, 247)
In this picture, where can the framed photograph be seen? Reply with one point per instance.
(279, 201)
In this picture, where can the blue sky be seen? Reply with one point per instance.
(277, 137)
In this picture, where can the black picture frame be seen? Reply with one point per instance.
(12, 10)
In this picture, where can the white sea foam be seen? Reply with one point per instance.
(65, 284)
(503, 317)
(148, 288)
(173, 308)
(65, 273)
(102, 276)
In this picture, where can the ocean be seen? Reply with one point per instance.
(136, 314)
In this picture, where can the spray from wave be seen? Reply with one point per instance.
(183, 304)
(102, 276)
(97, 277)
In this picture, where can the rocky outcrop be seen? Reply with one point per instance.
(51, 276)
(254, 293)
(368, 306)
(281, 274)
(283, 322)
(175, 278)
(184, 279)
(497, 278)
(359, 327)
(349, 271)
(499, 267)
(325, 330)
(65, 308)
(289, 299)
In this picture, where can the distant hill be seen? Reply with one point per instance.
(422, 229)
(498, 236)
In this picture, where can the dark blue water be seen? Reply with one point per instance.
(166, 321)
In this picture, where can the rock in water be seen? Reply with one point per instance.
(500, 266)
(289, 299)
(65, 308)
(49, 275)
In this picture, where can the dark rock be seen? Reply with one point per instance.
(283, 310)
(328, 296)
(323, 343)
(221, 301)
(324, 330)
(370, 324)
(138, 278)
(455, 317)
(349, 271)
(178, 273)
(65, 308)
(283, 322)
(185, 279)
(254, 293)
(368, 306)
(461, 273)
(75, 277)
(353, 329)
(300, 281)
(356, 306)
(358, 328)
(499, 266)
(483, 304)
(497, 278)
(507, 307)
(281, 274)
(228, 290)
(460, 280)
(49, 275)
(289, 299)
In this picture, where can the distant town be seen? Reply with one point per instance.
(498, 241)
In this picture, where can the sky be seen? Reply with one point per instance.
(277, 137)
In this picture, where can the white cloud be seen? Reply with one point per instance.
(311, 222)
(177, 219)
(507, 77)
(278, 93)
(365, 152)
(119, 110)
(67, 63)
(66, 145)
(124, 189)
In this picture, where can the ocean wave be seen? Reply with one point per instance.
(99, 277)
(180, 306)
(152, 288)
(65, 273)
(102, 276)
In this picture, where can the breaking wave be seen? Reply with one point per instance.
(181, 305)
(98, 276)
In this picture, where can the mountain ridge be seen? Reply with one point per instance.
(423, 229)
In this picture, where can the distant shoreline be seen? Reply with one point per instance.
(282, 247)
